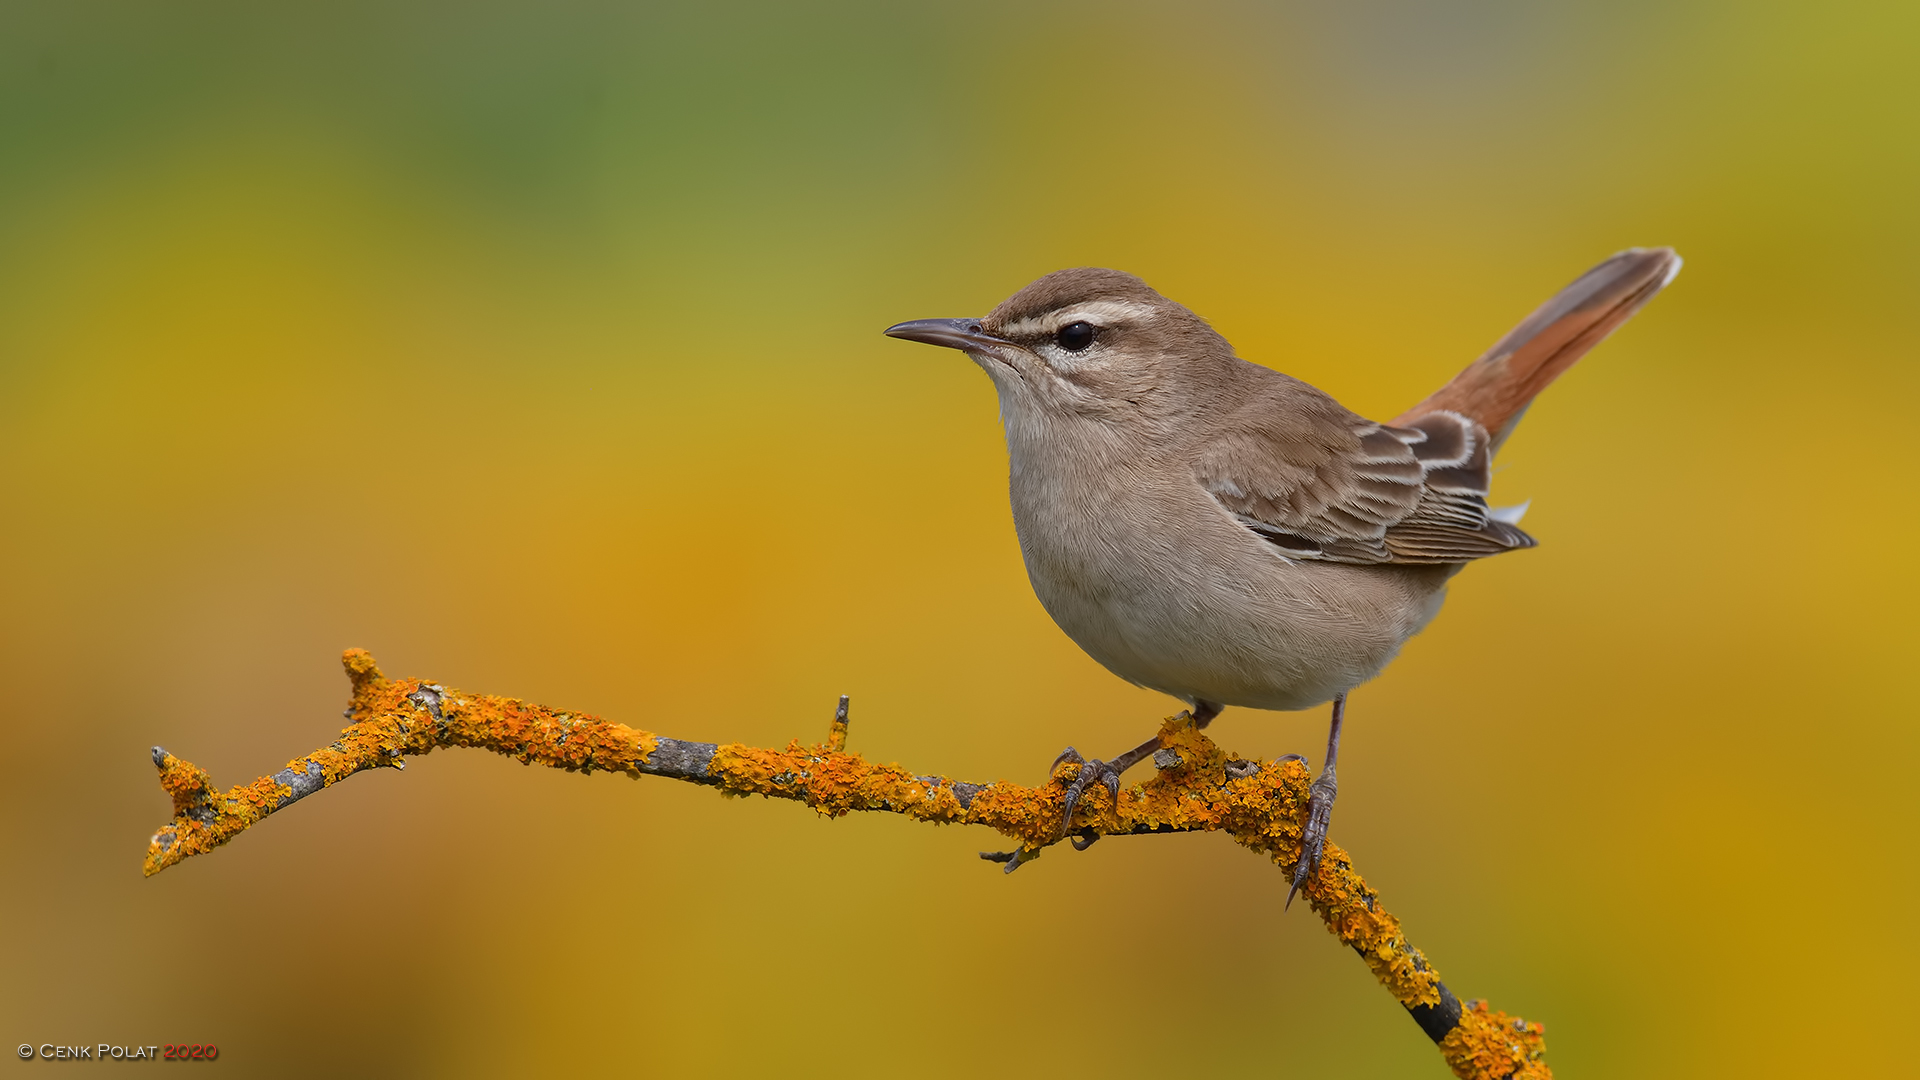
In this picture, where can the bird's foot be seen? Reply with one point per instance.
(1091, 772)
(1313, 838)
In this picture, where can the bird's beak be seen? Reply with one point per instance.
(963, 334)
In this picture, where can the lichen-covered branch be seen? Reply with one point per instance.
(1197, 787)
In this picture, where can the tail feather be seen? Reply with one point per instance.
(1496, 389)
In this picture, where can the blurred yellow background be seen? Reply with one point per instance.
(536, 348)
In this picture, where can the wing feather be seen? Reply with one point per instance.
(1339, 488)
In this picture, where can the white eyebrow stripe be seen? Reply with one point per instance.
(1097, 312)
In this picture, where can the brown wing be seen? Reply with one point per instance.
(1336, 487)
(1342, 489)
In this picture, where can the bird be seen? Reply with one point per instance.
(1213, 529)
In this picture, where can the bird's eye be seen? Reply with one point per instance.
(1075, 336)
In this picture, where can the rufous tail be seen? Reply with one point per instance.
(1497, 388)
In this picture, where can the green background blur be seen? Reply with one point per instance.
(536, 348)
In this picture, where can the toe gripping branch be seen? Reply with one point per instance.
(1196, 788)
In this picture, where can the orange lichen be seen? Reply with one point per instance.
(832, 783)
(1197, 787)
(188, 783)
(393, 719)
(1492, 1045)
(837, 731)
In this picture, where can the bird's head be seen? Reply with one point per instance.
(1091, 343)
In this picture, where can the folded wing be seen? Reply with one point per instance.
(1343, 489)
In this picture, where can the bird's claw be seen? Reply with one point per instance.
(1091, 772)
(1313, 838)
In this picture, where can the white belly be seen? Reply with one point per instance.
(1212, 612)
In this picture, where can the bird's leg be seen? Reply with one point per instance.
(1108, 772)
(1319, 806)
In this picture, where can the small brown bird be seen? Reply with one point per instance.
(1215, 530)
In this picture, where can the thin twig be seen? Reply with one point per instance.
(1196, 787)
